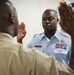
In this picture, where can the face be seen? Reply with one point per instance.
(49, 21)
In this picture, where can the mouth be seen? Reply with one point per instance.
(47, 27)
(47, 24)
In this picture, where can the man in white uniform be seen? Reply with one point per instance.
(15, 60)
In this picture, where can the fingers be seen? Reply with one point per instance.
(71, 12)
(22, 26)
(65, 11)
(62, 10)
(21, 34)
(21, 29)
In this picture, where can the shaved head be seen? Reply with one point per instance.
(8, 18)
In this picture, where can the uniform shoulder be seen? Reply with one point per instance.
(37, 35)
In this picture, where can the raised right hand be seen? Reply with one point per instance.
(21, 32)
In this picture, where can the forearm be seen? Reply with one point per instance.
(71, 63)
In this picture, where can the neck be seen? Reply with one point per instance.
(49, 34)
(6, 31)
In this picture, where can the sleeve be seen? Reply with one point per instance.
(29, 45)
(34, 62)
(35, 35)
(45, 65)
(32, 42)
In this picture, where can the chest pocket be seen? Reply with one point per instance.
(61, 48)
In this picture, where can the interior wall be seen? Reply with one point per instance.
(30, 12)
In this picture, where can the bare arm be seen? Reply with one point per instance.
(67, 24)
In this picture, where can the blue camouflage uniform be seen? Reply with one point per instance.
(59, 45)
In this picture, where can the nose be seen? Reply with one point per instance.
(47, 21)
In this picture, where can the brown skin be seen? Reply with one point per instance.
(21, 32)
(67, 24)
(8, 19)
(49, 22)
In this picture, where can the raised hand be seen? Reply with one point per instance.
(66, 18)
(67, 23)
(21, 32)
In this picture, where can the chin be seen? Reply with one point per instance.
(51, 30)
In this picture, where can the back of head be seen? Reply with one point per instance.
(8, 18)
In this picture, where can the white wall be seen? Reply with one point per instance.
(30, 12)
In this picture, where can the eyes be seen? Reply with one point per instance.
(48, 19)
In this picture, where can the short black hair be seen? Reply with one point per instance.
(5, 1)
(51, 10)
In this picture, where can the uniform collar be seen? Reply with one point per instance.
(60, 32)
(42, 35)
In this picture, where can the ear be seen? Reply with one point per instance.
(11, 18)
